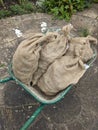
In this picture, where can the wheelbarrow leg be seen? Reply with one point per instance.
(33, 117)
(6, 79)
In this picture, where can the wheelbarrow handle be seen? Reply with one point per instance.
(33, 117)
(6, 79)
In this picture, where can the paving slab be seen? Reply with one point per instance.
(78, 110)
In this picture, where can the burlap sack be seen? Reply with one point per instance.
(52, 61)
(26, 57)
(69, 68)
(82, 47)
(52, 50)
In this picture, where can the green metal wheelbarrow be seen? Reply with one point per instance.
(38, 96)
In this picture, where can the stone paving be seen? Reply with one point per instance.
(78, 110)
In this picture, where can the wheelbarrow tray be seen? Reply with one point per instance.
(38, 95)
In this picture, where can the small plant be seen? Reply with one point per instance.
(83, 32)
(17, 9)
(63, 9)
(4, 13)
(2, 65)
(28, 6)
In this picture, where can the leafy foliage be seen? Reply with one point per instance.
(4, 13)
(17, 10)
(28, 6)
(63, 9)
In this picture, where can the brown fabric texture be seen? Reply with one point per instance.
(51, 51)
(55, 48)
(25, 59)
(69, 68)
(52, 61)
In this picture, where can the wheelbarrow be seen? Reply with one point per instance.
(41, 98)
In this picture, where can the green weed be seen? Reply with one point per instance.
(2, 65)
(17, 9)
(28, 6)
(83, 32)
(4, 13)
(64, 9)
